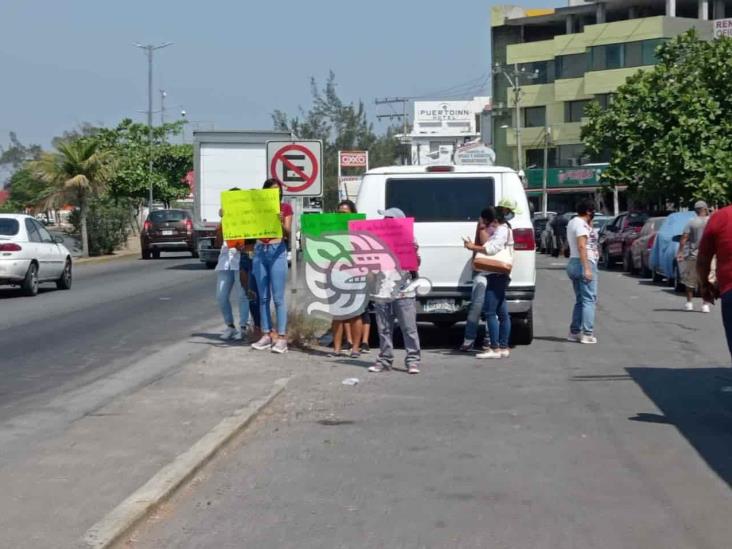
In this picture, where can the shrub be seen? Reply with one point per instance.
(108, 224)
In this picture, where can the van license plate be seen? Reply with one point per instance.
(440, 306)
(167, 233)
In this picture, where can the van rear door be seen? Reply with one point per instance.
(445, 207)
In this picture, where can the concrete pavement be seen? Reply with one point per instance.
(620, 445)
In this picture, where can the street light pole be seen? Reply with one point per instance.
(544, 195)
(149, 50)
(515, 84)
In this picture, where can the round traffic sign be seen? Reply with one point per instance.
(306, 179)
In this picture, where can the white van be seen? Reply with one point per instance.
(445, 202)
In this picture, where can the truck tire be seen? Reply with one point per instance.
(30, 282)
(522, 329)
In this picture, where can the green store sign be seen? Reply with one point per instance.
(560, 178)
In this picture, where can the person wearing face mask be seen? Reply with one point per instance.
(582, 271)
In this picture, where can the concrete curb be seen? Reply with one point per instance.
(162, 485)
(104, 258)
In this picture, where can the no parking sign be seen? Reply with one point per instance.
(297, 165)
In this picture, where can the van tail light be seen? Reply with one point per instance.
(12, 247)
(147, 226)
(440, 169)
(189, 226)
(523, 239)
(651, 241)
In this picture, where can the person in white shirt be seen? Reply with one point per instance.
(582, 271)
(227, 278)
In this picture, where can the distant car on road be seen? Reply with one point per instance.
(640, 250)
(167, 231)
(29, 255)
(617, 236)
(663, 254)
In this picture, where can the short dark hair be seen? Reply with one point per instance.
(271, 182)
(349, 203)
(489, 214)
(585, 206)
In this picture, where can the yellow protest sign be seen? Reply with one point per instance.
(251, 214)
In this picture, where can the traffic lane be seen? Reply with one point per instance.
(562, 445)
(115, 315)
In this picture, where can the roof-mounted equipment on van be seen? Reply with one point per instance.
(440, 169)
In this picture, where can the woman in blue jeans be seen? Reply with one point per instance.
(582, 271)
(270, 272)
(228, 277)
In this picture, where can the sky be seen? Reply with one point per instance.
(232, 63)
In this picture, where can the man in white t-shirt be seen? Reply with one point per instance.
(582, 271)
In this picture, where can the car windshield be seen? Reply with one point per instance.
(441, 199)
(167, 216)
(9, 226)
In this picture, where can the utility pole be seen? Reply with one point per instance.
(513, 76)
(163, 95)
(149, 50)
(395, 115)
(544, 195)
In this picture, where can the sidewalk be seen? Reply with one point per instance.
(80, 475)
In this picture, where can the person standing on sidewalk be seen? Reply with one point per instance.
(270, 272)
(717, 242)
(480, 280)
(394, 299)
(688, 249)
(582, 271)
(495, 306)
(228, 277)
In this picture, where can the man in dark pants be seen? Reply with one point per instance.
(717, 241)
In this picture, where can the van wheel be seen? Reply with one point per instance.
(30, 282)
(522, 329)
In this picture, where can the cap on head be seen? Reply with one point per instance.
(392, 212)
(700, 205)
(509, 204)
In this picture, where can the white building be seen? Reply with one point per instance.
(440, 127)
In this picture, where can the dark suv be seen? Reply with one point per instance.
(167, 231)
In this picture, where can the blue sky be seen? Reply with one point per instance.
(233, 62)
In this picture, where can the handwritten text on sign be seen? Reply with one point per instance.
(397, 234)
(251, 214)
(318, 224)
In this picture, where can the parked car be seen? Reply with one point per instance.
(663, 254)
(167, 231)
(599, 221)
(540, 223)
(640, 249)
(617, 236)
(29, 255)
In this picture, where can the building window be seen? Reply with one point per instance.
(630, 54)
(538, 72)
(571, 155)
(574, 110)
(604, 99)
(571, 66)
(534, 117)
(535, 158)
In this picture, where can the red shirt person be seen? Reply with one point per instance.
(717, 241)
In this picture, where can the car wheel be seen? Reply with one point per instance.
(64, 283)
(522, 329)
(145, 254)
(30, 282)
(156, 254)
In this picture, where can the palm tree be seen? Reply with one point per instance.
(77, 171)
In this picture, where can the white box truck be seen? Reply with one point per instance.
(222, 160)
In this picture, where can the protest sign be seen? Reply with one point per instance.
(251, 214)
(317, 224)
(397, 234)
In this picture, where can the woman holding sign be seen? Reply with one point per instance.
(270, 272)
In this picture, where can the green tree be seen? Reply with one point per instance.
(78, 171)
(340, 126)
(26, 190)
(669, 130)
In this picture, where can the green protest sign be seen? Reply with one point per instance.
(315, 225)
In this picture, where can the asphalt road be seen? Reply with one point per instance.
(615, 446)
(115, 314)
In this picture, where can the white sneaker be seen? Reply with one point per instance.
(239, 335)
(689, 306)
(586, 339)
(280, 346)
(264, 343)
(489, 354)
(706, 308)
(574, 337)
(229, 333)
(505, 353)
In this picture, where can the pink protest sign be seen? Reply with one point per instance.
(397, 234)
